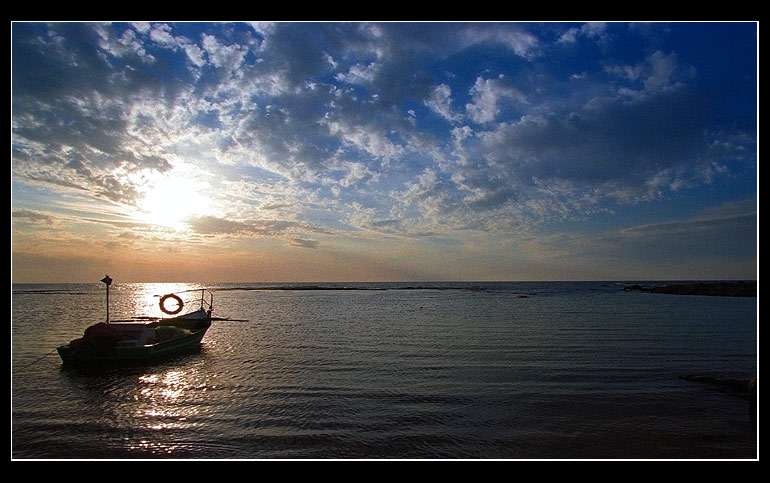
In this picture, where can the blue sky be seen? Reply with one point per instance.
(384, 151)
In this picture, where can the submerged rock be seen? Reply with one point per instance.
(742, 388)
(734, 387)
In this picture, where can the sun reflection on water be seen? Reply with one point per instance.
(167, 387)
(152, 446)
(165, 401)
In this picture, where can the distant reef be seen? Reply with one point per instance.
(723, 289)
(288, 287)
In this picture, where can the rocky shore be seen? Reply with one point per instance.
(723, 289)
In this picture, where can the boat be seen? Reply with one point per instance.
(142, 338)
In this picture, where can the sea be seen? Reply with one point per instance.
(393, 371)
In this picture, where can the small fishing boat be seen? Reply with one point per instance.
(142, 338)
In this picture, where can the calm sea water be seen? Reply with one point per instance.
(403, 371)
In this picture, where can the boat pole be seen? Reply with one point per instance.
(107, 281)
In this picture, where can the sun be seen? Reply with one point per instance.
(171, 199)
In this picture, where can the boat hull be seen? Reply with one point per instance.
(148, 352)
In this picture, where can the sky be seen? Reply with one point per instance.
(391, 151)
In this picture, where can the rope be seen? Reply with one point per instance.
(227, 319)
(38, 360)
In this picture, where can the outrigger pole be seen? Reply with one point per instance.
(107, 281)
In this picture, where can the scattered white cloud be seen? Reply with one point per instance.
(263, 28)
(488, 94)
(659, 71)
(570, 36)
(161, 33)
(227, 57)
(127, 44)
(359, 74)
(364, 138)
(440, 102)
(592, 30)
(521, 42)
(142, 27)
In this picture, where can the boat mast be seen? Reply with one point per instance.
(107, 281)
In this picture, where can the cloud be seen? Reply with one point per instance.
(440, 102)
(304, 243)
(213, 225)
(226, 57)
(359, 74)
(690, 248)
(366, 139)
(354, 173)
(658, 72)
(216, 225)
(570, 36)
(487, 96)
(691, 227)
(161, 33)
(593, 29)
(521, 42)
(726, 240)
(590, 30)
(612, 145)
(126, 45)
(31, 216)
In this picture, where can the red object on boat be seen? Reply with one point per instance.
(102, 331)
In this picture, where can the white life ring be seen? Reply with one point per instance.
(178, 300)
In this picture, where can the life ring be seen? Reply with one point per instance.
(175, 311)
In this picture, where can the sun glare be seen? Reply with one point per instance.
(171, 200)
